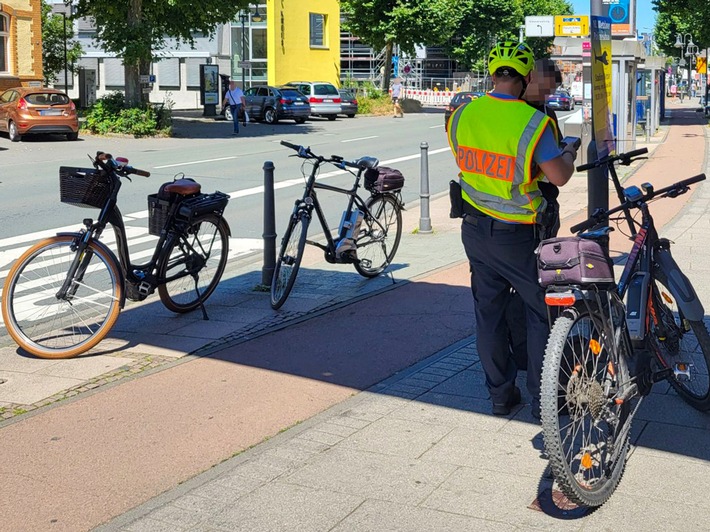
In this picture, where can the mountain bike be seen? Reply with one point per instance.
(613, 341)
(370, 230)
(63, 295)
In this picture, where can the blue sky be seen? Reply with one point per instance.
(645, 15)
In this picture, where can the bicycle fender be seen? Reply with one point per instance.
(105, 249)
(680, 287)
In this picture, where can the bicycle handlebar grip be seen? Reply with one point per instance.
(140, 172)
(289, 145)
(586, 224)
(588, 166)
(691, 180)
(636, 153)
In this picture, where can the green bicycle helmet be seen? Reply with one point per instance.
(516, 55)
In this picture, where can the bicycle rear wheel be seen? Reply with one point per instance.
(586, 432)
(675, 340)
(289, 259)
(49, 326)
(379, 235)
(192, 265)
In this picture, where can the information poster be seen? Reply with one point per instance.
(209, 84)
(601, 85)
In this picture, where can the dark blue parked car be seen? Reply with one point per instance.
(271, 104)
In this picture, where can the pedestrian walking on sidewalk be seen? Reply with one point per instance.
(502, 147)
(234, 97)
(396, 95)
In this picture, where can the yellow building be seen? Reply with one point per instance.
(20, 43)
(287, 41)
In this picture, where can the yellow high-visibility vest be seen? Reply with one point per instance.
(493, 140)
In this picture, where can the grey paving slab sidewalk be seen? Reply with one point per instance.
(420, 451)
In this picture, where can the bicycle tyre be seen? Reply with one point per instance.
(50, 328)
(569, 378)
(289, 259)
(375, 250)
(198, 257)
(672, 341)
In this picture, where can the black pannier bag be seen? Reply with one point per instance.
(573, 260)
(383, 179)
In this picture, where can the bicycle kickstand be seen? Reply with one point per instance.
(202, 303)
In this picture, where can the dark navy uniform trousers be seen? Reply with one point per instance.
(502, 256)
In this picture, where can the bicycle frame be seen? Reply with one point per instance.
(310, 201)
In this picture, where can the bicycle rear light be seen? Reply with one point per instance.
(560, 299)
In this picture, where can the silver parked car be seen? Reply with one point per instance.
(323, 97)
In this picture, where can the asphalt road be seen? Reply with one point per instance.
(206, 150)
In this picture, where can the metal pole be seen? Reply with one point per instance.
(424, 219)
(269, 236)
(648, 124)
(66, 78)
(597, 182)
(243, 16)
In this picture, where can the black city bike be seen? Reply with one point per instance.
(63, 295)
(369, 232)
(613, 341)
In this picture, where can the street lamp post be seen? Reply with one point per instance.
(690, 52)
(70, 7)
(243, 16)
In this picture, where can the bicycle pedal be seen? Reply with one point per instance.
(145, 288)
(681, 371)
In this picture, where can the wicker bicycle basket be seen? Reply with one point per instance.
(83, 187)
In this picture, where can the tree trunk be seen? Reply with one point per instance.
(388, 67)
(133, 68)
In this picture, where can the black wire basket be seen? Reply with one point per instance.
(158, 213)
(83, 187)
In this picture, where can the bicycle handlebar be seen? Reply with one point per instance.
(306, 153)
(623, 158)
(108, 163)
(672, 191)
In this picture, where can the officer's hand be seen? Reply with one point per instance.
(570, 149)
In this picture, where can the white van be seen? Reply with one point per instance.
(577, 92)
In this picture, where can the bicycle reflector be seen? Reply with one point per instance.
(560, 299)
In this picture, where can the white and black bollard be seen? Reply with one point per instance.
(424, 217)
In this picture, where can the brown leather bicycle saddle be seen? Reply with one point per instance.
(184, 187)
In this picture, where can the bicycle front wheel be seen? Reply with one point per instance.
(586, 431)
(49, 325)
(379, 235)
(193, 263)
(676, 340)
(289, 259)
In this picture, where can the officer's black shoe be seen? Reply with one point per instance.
(503, 409)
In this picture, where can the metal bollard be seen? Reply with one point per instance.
(424, 218)
(269, 236)
(648, 125)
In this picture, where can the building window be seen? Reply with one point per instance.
(317, 30)
(4, 37)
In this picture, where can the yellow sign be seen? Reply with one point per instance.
(701, 65)
(601, 86)
(571, 25)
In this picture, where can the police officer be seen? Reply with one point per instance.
(502, 147)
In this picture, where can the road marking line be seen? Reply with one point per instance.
(360, 138)
(196, 162)
(30, 237)
(435, 127)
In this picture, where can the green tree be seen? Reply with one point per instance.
(135, 29)
(687, 16)
(384, 23)
(53, 39)
(484, 22)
